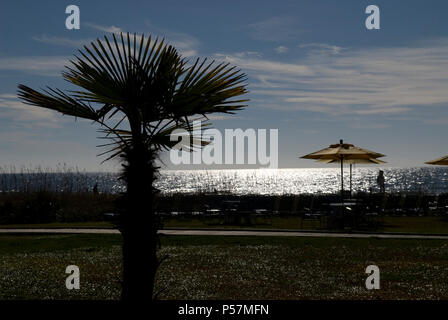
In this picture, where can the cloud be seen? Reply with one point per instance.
(41, 65)
(273, 29)
(366, 81)
(62, 41)
(108, 29)
(369, 126)
(218, 117)
(54, 65)
(321, 49)
(253, 63)
(436, 121)
(11, 108)
(281, 49)
(185, 43)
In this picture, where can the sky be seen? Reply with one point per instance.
(315, 73)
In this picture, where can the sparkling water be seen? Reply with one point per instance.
(242, 181)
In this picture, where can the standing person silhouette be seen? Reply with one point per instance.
(380, 181)
(95, 189)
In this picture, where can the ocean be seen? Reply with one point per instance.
(241, 181)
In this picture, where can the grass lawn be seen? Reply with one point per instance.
(33, 266)
(390, 224)
(201, 267)
(434, 225)
(56, 225)
(415, 224)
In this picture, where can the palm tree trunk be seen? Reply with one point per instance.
(138, 227)
(139, 265)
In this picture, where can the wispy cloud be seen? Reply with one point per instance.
(281, 49)
(11, 108)
(369, 126)
(264, 67)
(41, 65)
(321, 48)
(185, 43)
(53, 65)
(364, 81)
(218, 117)
(62, 41)
(273, 29)
(108, 29)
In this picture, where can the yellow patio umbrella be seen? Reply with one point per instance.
(344, 152)
(440, 161)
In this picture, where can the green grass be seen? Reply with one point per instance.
(426, 225)
(56, 225)
(298, 242)
(33, 266)
(228, 267)
(301, 268)
(415, 224)
(45, 243)
(261, 223)
(390, 224)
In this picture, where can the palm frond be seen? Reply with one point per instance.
(59, 101)
(148, 83)
(209, 90)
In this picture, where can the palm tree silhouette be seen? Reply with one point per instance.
(139, 90)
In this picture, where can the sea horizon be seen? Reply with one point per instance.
(263, 181)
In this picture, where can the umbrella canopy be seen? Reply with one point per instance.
(354, 161)
(441, 161)
(345, 152)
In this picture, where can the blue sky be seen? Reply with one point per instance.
(314, 72)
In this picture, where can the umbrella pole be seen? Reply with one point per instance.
(342, 176)
(350, 180)
(342, 190)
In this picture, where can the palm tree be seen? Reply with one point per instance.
(139, 90)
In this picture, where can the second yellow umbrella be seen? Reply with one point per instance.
(343, 152)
